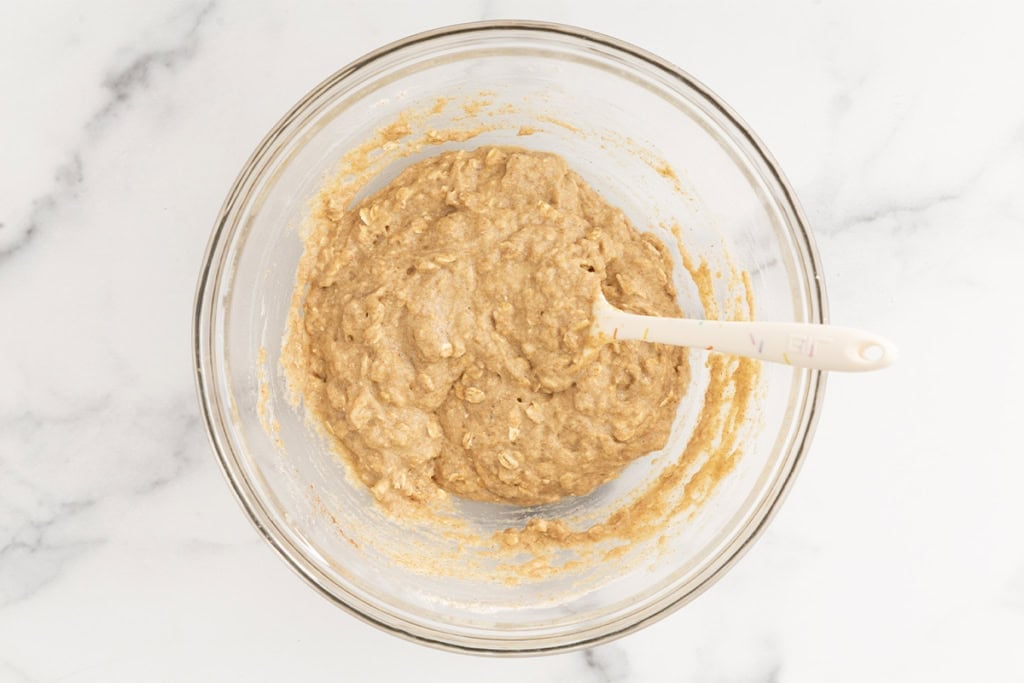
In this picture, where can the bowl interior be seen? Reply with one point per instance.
(653, 143)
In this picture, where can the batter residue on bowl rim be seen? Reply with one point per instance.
(440, 337)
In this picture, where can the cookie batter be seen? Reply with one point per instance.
(445, 334)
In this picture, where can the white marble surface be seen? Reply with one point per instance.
(123, 556)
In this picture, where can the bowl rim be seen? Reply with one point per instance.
(217, 433)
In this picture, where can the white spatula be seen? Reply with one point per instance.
(806, 345)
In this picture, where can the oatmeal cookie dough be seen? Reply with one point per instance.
(444, 338)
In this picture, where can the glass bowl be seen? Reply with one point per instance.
(655, 143)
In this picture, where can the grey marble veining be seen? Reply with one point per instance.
(121, 85)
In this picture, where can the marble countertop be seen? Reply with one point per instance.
(123, 556)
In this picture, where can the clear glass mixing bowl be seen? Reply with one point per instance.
(619, 115)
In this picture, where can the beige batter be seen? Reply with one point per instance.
(447, 341)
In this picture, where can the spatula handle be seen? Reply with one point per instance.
(807, 345)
